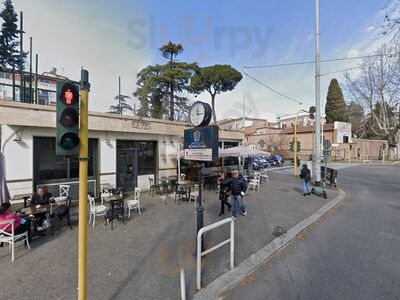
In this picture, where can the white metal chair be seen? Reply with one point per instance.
(134, 203)
(10, 237)
(183, 176)
(194, 194)
(96, 210)
(264, 175)
(255, 183)
(64, 194)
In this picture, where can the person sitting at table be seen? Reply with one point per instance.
(21, 225)
(42, 197)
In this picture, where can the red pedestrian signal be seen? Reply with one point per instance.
(67, 126)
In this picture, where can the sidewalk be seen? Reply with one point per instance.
(141, 260)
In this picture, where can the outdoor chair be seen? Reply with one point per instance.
(183, 177)
(96, 210)
(153, 187)
(264, 175)
(10, 238)
(116, 210)
(64, 194)
(254, 183)
(163, 184)
(134, 203)
(194, 194)
(59, 212)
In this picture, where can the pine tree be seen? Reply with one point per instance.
(335, 108)
(9, 43)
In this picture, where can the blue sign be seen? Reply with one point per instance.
(201, 143)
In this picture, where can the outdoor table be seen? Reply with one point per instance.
(113, 198)
(184, 188)
(31, 212)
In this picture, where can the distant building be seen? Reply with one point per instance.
(303, 119)
(237, 123)
(45, 94)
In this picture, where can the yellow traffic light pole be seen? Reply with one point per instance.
(83, 186)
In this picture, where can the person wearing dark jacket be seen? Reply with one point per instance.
(41, 197)
(305, 176)
(237, 186)
(224, 193)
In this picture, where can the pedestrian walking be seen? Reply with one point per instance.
(224, 193)
(237, 186)
(305, 176)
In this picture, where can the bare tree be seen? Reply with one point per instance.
(376, 89)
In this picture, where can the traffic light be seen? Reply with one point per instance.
(291, 146)
(311, 112)
(298, 146)
(67, 123)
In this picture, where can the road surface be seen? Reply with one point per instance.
(352, 254)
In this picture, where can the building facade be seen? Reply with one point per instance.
(124, 151)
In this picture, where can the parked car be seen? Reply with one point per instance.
(277, 160)
(261, 161)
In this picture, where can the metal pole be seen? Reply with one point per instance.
(13, 81)
(317, 99)
(83, 185)
(36, 77)
(183, 284)
(21, 57)
(200, 207)
(30, 71)
(178, 148)
(244, 98)
(232, 249)
(295, 146)
(119, 95)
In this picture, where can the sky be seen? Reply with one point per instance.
(119, 38)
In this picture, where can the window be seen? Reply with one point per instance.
(5, 75)
(284, 125)
(345, 139)
(50, 167)
(230, 161)
(146, 157)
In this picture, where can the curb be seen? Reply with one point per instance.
(234, 277)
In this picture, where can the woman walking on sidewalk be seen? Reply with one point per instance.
(224, 193)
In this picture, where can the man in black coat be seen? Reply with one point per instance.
(237, 186)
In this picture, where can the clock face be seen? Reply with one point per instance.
(199, 114)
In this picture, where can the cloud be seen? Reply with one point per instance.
(370, 28)
(352, 53)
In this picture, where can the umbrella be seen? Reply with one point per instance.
(4, 193)
(241, 151)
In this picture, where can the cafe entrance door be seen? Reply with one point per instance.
(126, 169)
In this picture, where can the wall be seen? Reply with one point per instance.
(39, 120)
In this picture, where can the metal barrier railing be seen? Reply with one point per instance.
(183, 284)
(202, 253)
